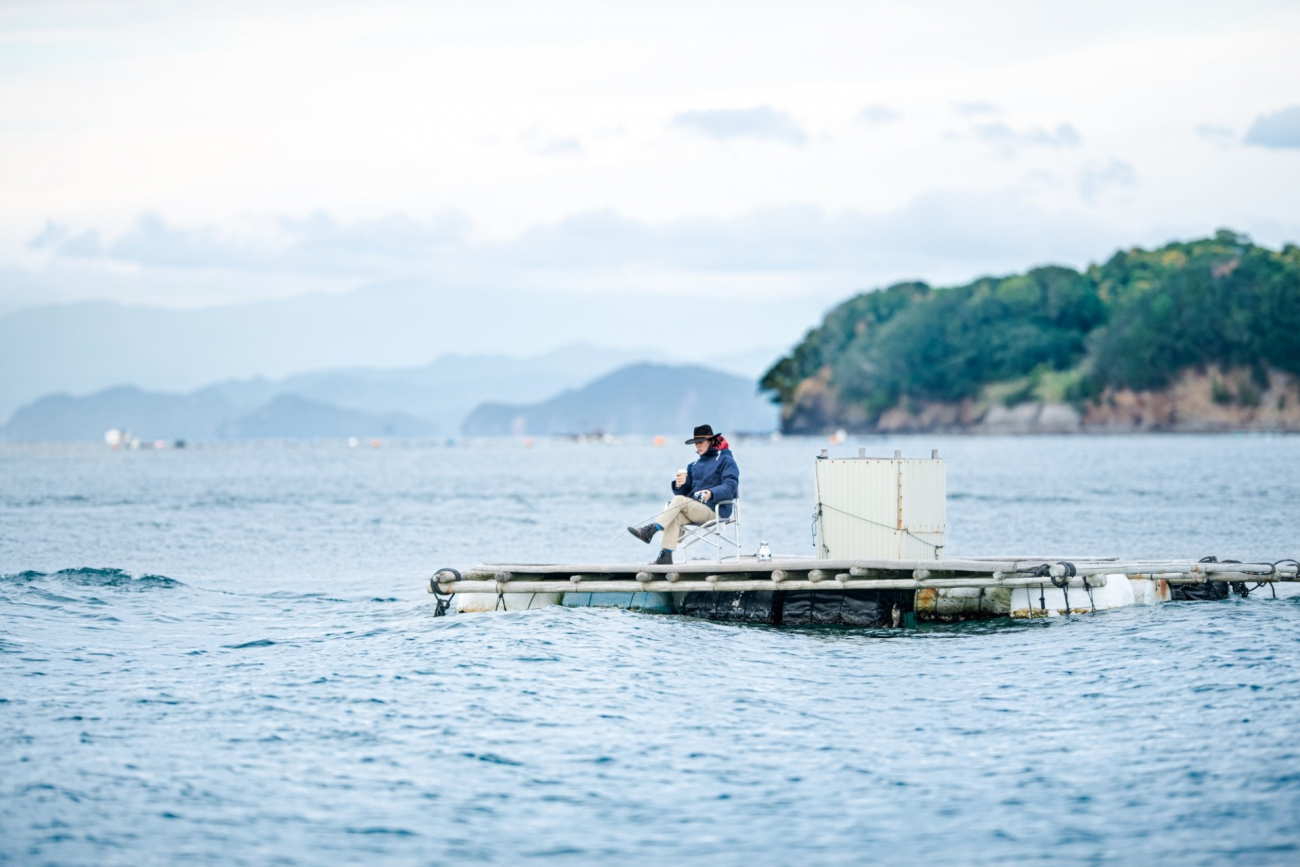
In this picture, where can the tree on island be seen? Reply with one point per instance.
(1136, 322)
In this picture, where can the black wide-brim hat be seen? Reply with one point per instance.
(703, 432)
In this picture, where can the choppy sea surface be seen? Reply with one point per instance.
(225, 655)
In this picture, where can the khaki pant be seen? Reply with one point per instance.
(680, 512)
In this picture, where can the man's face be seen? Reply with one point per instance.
(701, 447)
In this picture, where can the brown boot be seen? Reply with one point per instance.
(646, 533)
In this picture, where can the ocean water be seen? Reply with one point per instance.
(226, 655)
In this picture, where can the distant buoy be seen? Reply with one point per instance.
(374, 444)
(528, 442)
(352, 442)
(660, 440)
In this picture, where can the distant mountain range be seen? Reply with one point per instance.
(289, 416)
(437, 395)
(203, 415)
(638, 399)
(442, 392)
(431, 400)
(89, 346)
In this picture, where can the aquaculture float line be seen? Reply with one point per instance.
(749, 574)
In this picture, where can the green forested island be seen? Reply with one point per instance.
(1201, 335)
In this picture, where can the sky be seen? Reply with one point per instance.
(198, 155)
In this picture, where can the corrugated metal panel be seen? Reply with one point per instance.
(876, 508)
(924, 508)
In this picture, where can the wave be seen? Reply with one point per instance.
(1013, 498)
(90, 577)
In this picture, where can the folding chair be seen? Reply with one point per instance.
(719, 533)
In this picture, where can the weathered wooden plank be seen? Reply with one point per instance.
(750, 564)
(700, 586)
(1202, 578)
(880, 574)
(858, 568)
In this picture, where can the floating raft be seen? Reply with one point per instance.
(943, 590)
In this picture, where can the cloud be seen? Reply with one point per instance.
(939, 236)
(547, 146)
(976, 108)
(151, 241)
(316, 244)
(1095, 182)
(1007, 139)
(936, 235)
(879, 114)
(1220, 134)
(60, 239)
(1278, 130)
(761, 122)
(554, 146)
(392, 237)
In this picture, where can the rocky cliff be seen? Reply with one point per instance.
(1206, 401)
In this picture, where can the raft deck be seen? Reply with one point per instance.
(806, 573)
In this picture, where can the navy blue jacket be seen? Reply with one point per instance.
(716, 472)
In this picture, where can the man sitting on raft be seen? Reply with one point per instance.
(712, 478)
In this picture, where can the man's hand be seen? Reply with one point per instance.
(681, 479)
(705, 496)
